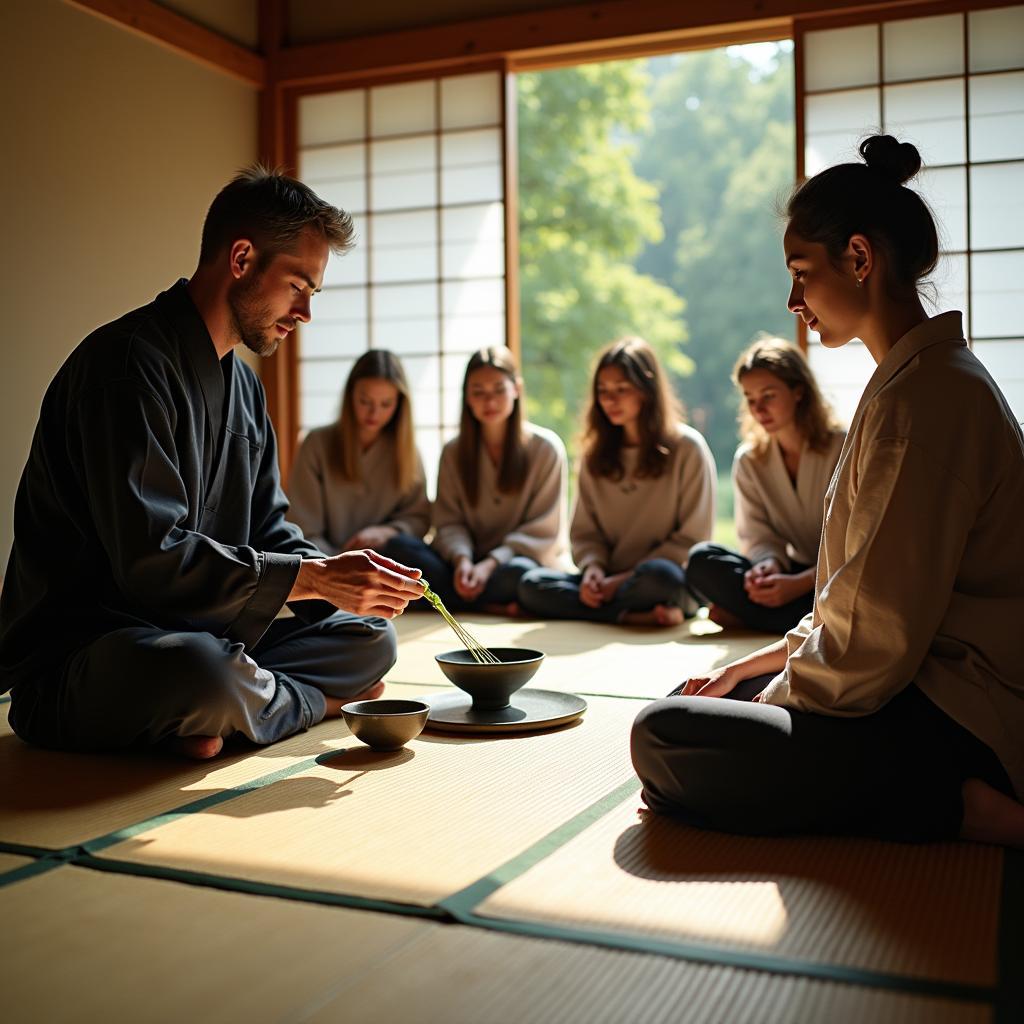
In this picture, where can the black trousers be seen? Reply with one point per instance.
(716, 574)
(737, 766)
(138, 686)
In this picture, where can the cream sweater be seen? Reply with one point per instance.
(529, 522)
(921, 568)
(329, 509)
(774, 518)
(617, 524)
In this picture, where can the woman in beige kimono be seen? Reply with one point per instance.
(500, 507)
(791, 444)
(895, 708)
(359, 483)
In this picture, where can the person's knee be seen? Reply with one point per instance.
(403, 547)
(700, 562)
(373, 645)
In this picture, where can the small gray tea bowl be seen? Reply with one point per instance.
(491, 686)
(385, 724)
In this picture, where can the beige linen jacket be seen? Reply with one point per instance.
(774, 518)
(921, 567)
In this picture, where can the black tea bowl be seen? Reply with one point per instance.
(491, 686)
(385, 724)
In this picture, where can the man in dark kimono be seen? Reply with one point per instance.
(151, 554)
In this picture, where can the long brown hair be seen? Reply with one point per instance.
(659, 416)
(376, 364)
(512, 471)
(815, 418)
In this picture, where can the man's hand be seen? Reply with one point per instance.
(374, 537)
(717, 683)
(361, 582)
(592, 586)
(470, 579)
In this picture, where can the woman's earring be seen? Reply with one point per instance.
(859, 282)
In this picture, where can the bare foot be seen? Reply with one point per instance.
(726, 619)
(510, 610)
(198, 748)
(991, 816)
(334, 704)
(659, 615)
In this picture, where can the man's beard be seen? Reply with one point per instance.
(248, 317)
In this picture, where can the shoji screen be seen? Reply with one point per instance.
(952, 84)
(420, 167)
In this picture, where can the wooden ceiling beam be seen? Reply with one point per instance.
(552, 35)
(181, 35)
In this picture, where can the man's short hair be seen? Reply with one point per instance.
(271, 210)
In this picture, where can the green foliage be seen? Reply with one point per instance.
(650, 188)
(585, 216)
(721, 152)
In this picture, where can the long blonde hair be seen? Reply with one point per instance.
(815, 418)
(512, 471)
(376, 364)
(661, 412)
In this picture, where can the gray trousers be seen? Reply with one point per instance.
(138, 686)
(737, 766)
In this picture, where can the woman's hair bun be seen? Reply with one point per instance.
(896, 161)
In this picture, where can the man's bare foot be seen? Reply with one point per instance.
(726, 619)
(659, 615)
(198, 748)
(991, 816)
(334, 704)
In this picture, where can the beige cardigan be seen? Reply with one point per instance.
(774, 519)
(530, 522)
(329, 509)
(617, 524)
(921, 568)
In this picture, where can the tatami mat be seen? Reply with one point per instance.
(65, 799)
(95, 947)
(12, 862)
(582, 657)
(927, 911)
(410, 827)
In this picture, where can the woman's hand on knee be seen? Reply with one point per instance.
(716, 683)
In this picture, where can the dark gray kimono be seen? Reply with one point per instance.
(151, 498)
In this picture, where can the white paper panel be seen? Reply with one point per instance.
(400, 109)
(841, 57)
(473, 259)
(424, 376)
(842, 374)
(471, 100)
(453, 370)
(318, 410)
(332, 117)
(404, 263)
(923, 47)
(339, 304)
(404, 191)
(1005, 361)
(947, 289)
(395, 230)
(324, 377)
(996, 39)
(401, 301)
(347, 195)
(997, 116)
(403, 156)
(997, 206)
(467, 333)
(473, 223)
(333, 163)
(468, 298)
(474, 241)
(407, 335)
(835, 125)
(466, 149)
(471, 184)
(334, 340)
(930, 115)
(349, 269)
(428, 441)
(997, 296)
(945, 191)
